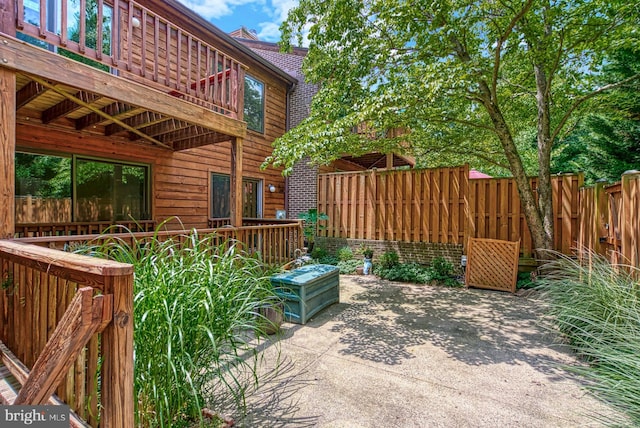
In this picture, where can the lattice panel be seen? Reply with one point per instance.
(492, 264)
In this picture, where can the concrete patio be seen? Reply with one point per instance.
(399, 355)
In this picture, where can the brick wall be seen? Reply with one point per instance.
(419, 252)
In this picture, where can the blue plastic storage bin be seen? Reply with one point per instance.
(307, 290)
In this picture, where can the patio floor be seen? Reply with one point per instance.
(398, 355)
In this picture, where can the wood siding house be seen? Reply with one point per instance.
(302, 184)
(155, 113)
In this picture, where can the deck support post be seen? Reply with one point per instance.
(236, 182)
(7, 152)
(7, 129)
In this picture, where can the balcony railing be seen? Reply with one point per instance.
(134, 42)
(275, 241)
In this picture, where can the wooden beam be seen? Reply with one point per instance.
(236, 183)
(67, 106)
(96, 110)
(7, 152)
(80, 321)
(141, 120)
(28, 93)
(26, 58)
(20, 373)
(199, 141)
(165, 127)
(181, 134)
(113, 110)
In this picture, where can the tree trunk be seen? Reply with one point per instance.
(530, 206)
(545, 195)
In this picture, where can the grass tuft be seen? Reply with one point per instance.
(596, 308)
(196, 308)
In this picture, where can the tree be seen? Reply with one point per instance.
(467, 79)
(607, 142)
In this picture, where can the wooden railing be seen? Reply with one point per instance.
(275, 243)
(38, 289)
(140, 44)
(440, 205)
(34, 230)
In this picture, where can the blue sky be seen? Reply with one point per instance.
(264, 16)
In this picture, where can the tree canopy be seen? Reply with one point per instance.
(469, 81)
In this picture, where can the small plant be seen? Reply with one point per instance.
(344, 254)
(366, 251)
(311, 226)
(405, 272)
(348, 267)
(319, 253)
(388, 260)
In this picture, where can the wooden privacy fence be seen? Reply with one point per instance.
(440, 205)
(37, 306)
(495, 211)
(427, 205)
(610, 219)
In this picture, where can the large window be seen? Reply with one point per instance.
(55, 189)
(220, 197)
(254, 104)
(109, 191)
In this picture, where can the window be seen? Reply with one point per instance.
(220, 197)
(56, 189)
(43, 188)
(254, 104)
(109, 191)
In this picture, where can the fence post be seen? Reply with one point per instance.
(629, 221)
(117, 348)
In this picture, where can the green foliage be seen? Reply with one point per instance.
(441, 269)
(596, 308)
(606, 143)
(388, 259)
(194, 304)
(469, 81)
(366, 251)
(525, 281)
(348, 267)
(344, 254)
(311, 225)
(319, 252)
(43, 175)
(404, 272)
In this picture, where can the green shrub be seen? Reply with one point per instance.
(348, 267)
(344, 254)
(405, 272)
(388, 259)
(194, 304)
(596, 307)
(319, 252)
(328, 260)
(441, 271)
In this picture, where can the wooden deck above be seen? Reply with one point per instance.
(58, 91)
(149, 80)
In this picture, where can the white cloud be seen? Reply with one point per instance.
(277, 10)
(269, 32)
(215, 9)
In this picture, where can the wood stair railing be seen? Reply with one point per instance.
(85, 316)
